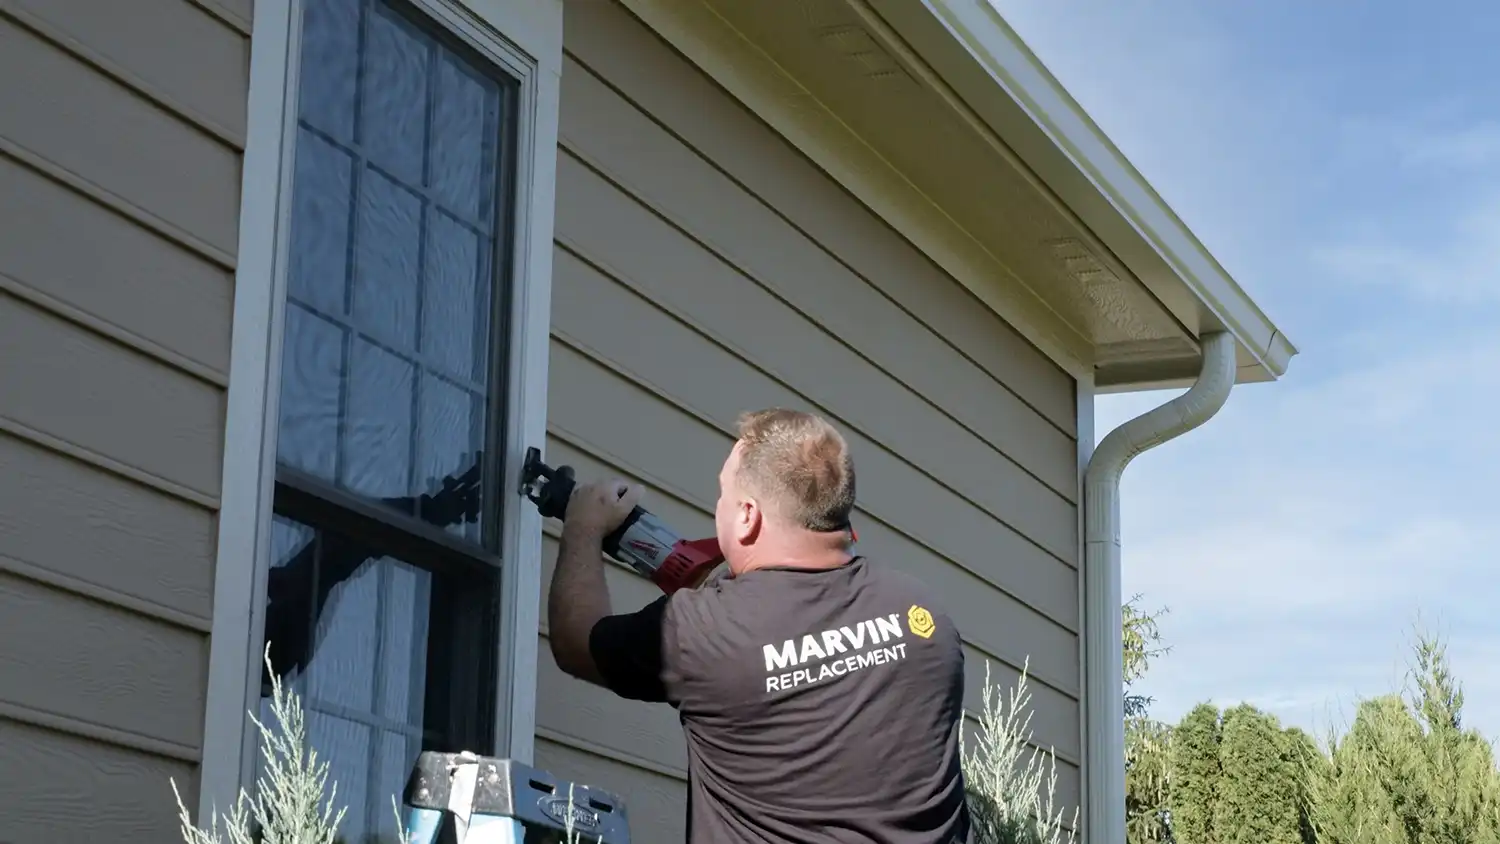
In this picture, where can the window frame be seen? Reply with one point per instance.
(524, 39)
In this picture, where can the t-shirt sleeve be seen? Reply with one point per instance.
(650, 654)
(627, 650)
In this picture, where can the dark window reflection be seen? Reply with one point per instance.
(384, 656)
(310, 568)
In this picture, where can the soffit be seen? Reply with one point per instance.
(923, 128)
(854, 67)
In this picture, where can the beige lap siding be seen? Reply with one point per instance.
(704, 267)
(120, 140)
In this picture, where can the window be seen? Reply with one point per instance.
(385, 558)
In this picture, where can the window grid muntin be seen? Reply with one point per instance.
(485, 402)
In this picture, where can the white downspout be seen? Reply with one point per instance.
(1104, 794)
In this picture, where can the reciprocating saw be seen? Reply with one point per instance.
(642, 541)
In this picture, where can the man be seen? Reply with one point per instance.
(821, 693)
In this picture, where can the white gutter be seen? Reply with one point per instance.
(1104, 793)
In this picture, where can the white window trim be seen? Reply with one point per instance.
(525, 37)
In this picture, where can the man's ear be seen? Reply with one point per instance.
(748, 521)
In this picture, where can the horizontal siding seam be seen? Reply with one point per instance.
(600, 266)
(104, 595)
(108, 464)
(605, 456)
(649, 386)
(604, 79)
(224, 16)
(681, 226)
(104, 328)
(117, 203)
(682, 495)
(977, 719)
(624, 758)
(120, 74)
(98, 732)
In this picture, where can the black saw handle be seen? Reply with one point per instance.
(550, 489)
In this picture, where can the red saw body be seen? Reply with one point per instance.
(642, 541)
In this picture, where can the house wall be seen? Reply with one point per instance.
(120, 145)
(704, 267)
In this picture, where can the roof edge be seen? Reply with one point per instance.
(991, 42)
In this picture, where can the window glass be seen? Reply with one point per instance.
(399, 162)
(384, 627)
(352, 632)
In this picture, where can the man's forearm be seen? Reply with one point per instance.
(577, 600)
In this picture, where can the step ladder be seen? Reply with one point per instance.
(462, 798)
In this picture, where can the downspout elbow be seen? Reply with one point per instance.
(1103, 670)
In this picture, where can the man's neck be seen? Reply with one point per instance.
(804, 550)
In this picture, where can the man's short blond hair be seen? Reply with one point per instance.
(799, 466)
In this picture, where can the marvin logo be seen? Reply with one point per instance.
(842, 650)
(919, 622)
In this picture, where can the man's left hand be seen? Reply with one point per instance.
(597, 508)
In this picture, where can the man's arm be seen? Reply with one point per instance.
(622, 653)
(618, 652)
(579, 598)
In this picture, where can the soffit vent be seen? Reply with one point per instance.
(858, 46)
(1100, 284)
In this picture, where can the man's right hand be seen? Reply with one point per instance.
(595, 509)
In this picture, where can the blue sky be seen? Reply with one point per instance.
(1343, 162)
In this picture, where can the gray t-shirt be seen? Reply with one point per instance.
(819, 706)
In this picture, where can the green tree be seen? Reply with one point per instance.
(1140, 633)
(1196, 774)
(1373, 791)
(1257, 796)
(1148, 742)
(1148, 779)
(1407, 771)
(1305, 761)
(1460, 767)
